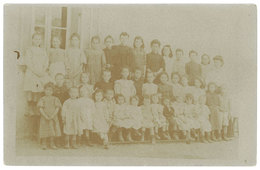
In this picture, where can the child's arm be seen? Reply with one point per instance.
(43, 114)
(55, 112)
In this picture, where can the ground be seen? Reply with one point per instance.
(177, 150)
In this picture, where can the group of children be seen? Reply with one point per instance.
(122, 93)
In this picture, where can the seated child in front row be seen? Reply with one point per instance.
(101, 118)
(71, 119)
(203, 113)
(135, 113)
(110, 103)
(84, 81)
(148, 119)
(159, 119)
(180, 118)
(87, 109)
(190, 116)
(122, 119)
(49, 107)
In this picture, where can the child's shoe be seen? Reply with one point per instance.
(88, 143)
(202, 139)
(175, 137)
(129, 138)
(44, 147)
(142, 137)
(157, 137)
(166, 136)
(213, 138)
(187, 141)
(225, 138)
(74, 145)
(106, 146)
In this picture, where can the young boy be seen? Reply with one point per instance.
(192, 68)
(179, 64)
(105, 83)
(138, 83)
(154, 61)
(122, 55)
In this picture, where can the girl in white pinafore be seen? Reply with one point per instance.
(198, 89)
(135, 113)
(149, 88)
(124, 86)
(190, 116)
(56, 58)
(87, 109)
(101, 118)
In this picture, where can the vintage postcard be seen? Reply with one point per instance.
(130, 84)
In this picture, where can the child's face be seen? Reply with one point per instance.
(95, 43)
(134, 102)
(166, 51)
(56, 42)
(193, 57)
(218, 63)
(138, 43)
(146, 101)
(106, 76)
(155, 48)
(124, 40)
(212, 88)
(109, 95)
(175, 79)
(120, 100)
(179, 99)
(138, 74)
(179, 55)
(74, 42)
(109, 43)
(74, 93)
(202, 100)
(184, 81)
(37, 40)
(68, 83)
(84, 78)
(125, 73)
(48, 91)
(150, 78)
(84, 92)
(205, 60)
(189, 100)
(155, 99)
(163, 79)
(98, 97)
(59, 80)
(166, 102)
(197, 83)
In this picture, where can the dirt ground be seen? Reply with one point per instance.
(176, 150)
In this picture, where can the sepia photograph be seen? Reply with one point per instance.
(130, 84)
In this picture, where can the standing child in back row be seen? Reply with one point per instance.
(193, 69)
(95, 59)
(75, 59)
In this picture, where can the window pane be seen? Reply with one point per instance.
(62, 36)
(59, 17)
(40, 16)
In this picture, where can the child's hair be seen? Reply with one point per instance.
(179, 50)
(164, 73)
(119, 95)
(192, 52)
(139, 38)
(96, 37)
(155, 41)
(134, 97)
(167, 46)
(59, 74)
(189, 96)
(202, 84)
(205, 55)
(147, 97)
(138, 69)
(124, 34)
(75, 35)
(220, 58)
(176, 73)
(49, 85)
(37, 34)
(125, 67)
(106, 71)
(108, 37)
